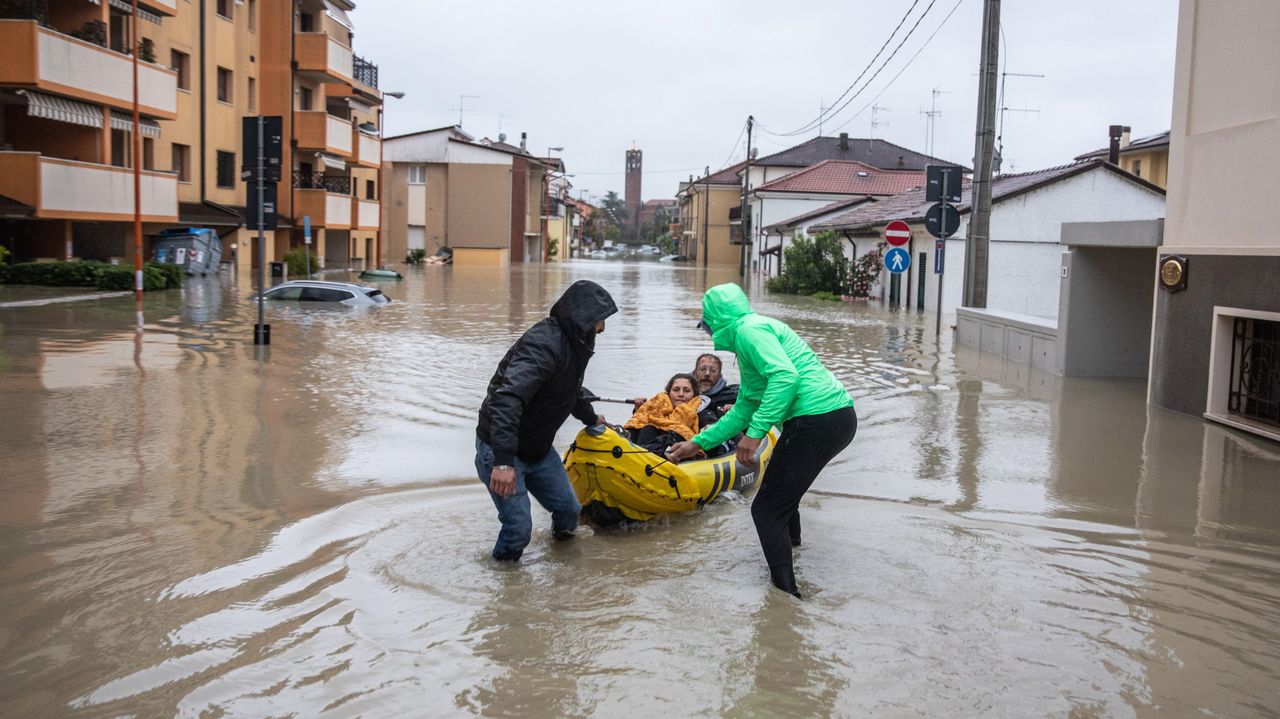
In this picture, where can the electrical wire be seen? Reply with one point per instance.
(904, 67)
(734, 151)
(824, 115)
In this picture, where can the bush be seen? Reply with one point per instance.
(812, 264)
(296, 259)
(120, 277)
(828, 296)
(57, 274)
(415, 256)
(172, 274)
(866, 272)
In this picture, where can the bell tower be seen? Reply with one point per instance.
(632, 195)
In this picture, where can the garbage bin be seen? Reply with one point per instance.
(277, 272)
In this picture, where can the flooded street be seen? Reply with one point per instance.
(187, 529)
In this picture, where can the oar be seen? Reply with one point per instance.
(608, 399)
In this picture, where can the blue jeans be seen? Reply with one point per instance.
(547, 481)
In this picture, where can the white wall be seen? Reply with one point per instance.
(1025, 257)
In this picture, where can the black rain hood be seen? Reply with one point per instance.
(579, 309)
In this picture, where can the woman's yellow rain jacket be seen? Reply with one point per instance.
(658, 412)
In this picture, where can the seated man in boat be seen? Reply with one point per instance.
(668, 417)
(718, 397)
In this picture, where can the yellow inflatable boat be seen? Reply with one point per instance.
(617, 481)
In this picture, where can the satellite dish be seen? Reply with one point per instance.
(502, 137)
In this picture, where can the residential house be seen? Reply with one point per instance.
(482, 200)
(1215, 347)
(1028, 214)
(1147, 157)
(708, 208)
(876, 153)
(814, 188)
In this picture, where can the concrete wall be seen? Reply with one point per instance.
(1105, 322)
(1226, 129)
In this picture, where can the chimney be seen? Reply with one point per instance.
(524, 137)
(901, 164)
(1124, 138)
(1115, 134)
(844, 141)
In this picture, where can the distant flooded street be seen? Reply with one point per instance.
(189, 529)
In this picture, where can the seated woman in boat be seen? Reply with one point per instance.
(668, 417)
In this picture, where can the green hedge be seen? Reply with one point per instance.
(90, 273)
(296, 259)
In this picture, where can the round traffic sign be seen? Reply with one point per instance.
(942, 220)
(897, 260)
(897, 233)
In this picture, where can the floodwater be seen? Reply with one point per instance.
(188, 528)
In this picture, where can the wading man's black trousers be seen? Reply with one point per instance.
(806, 445)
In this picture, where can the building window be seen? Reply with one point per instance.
(226, 169)
(253, 95)
(1254, 389)
(253, 15)
(182, 162)
(180, 62)
(417, 175)
(1137, 168)
(306, 22)
(304, 98)
(224, 8)
(120, 146)
(224, 85)
(148, 153)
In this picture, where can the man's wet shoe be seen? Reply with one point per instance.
(507, 556)
(564, 534)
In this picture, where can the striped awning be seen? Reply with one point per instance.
(126, 6)
(51, 107)
(330, 162)
(121, 121)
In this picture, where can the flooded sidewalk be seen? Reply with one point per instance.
(190, 526)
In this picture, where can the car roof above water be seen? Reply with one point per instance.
(326, 283)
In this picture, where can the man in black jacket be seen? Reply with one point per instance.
(720, 397)
(537, 385)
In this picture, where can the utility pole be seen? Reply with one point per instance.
(706, 208)
(745, 219)
(978, 238)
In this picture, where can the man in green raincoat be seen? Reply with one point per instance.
(784, 385)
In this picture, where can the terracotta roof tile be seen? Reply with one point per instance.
(846, 177)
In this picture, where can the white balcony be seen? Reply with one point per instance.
(67, 189)
(368, 149)
(41, 58)
(365, 215)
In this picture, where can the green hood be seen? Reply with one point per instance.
(722, 307)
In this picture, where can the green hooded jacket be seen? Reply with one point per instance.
(781, 377)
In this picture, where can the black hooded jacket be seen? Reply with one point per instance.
(539, 381)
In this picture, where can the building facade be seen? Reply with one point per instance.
(1216, 341)
(708, 233)
(445, 189)
(66, 88)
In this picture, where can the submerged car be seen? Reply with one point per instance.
(319, 291)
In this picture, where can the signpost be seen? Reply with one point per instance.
(943, 185)
(306, 240)
(897, 261)
(261, 141)
(897, 233)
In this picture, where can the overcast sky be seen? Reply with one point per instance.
(680, 78)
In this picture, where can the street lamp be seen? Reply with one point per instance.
(377, 263)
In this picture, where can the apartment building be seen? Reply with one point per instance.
(483, 198)
(66, 98)
(66, 92)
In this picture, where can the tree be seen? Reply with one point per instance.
(615, 208)
(812, 265)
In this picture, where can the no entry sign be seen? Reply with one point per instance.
(897, 233)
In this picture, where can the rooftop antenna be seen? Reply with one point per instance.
(930, 117)
(822, 112)
(462, 105)
(875, 112)
(999, 153)
(501, 115)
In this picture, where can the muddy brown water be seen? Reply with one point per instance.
(189, 529)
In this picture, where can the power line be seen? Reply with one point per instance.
(825, 113)
(736, 143)
(904, 67)
(647, 172)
